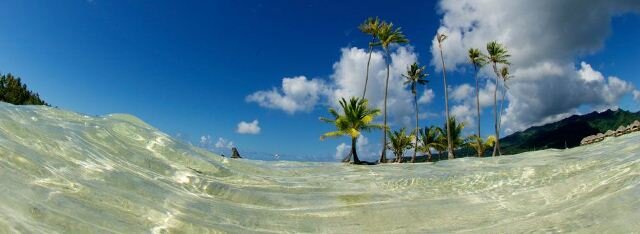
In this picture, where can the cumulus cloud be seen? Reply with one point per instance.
(300, 94)
(206, 141)
(223, 143)
(366, 151)
(248, 127)
(464, 103)
(636, 95)
(297, 94)
(348, 80)
(544, 42)
(426, 97)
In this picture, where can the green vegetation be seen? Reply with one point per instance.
(431, 138)
(356, 117)
(567, 132)
(13, 91)
(399, 141)
(480, 145)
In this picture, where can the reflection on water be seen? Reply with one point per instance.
(65, 172)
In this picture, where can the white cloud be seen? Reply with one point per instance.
(300, 94)
(464, 103)
(248, 128)
(427, 97)
(348, 80)
(297, 94)
(341, 151)
(205, 140)
(365, 151)
(544, 42)
(462, 92)
(224, 143)
(636, 95)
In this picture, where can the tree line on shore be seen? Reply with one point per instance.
(13, 91)
(357, 116)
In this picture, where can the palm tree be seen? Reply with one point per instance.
(429, 139)
(456, 133)
(442, 143)
(506, 75)
(356, 117)
(399, 141)
(387, 35)
(370, 26)
(477, 59)
(480, 145)
(415, 76)
(441, 38)
(497, 54)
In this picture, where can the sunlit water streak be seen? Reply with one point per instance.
(70, 173)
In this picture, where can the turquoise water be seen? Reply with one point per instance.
(63, 172)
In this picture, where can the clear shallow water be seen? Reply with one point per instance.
(66, 172)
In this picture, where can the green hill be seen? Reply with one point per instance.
(567, 132)
(13, 91)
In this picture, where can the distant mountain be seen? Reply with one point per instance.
(567, 132)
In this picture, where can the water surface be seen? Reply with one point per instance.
(63, 172)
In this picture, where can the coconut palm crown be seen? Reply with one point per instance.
(415, 76)
(480, 145)
(456, 133)
(356, 117)
(399, 141)
(506, 75)
(370, 26)
(388, 35)
(429, 139)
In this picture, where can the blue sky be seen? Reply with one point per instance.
(187, 68)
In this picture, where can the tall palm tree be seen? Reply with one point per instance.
(477, 59)
(370, 26)
(506, 75)
(441, 38)
(399, 141)
(356, 117)
(387, 35)
(429, 139)
(480, 145)
(496, 54)
(415, 76)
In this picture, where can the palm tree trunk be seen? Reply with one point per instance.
(429, 153)
(415, 148)
(496, 147)
(366, 79)
(356, 160)
(477, 98)
(347, 158)
(446, 105)
(504, 93)
(383, 156)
